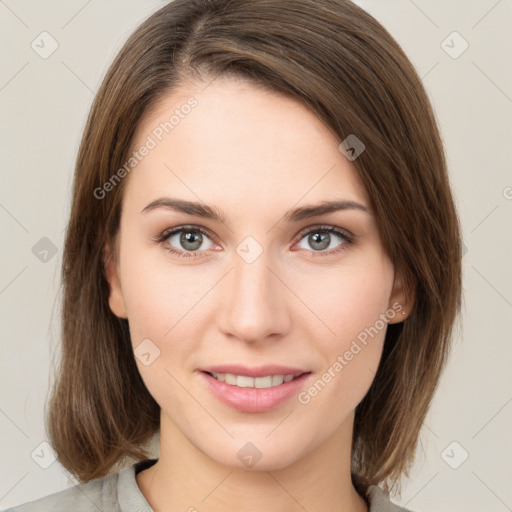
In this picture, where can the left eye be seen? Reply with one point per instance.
(322, 239)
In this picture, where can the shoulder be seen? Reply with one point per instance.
(380, 502)
(99, 494)
(112, 493)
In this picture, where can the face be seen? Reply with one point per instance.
(254, 286)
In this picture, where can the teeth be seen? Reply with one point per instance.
(243, 381)
(228, 378)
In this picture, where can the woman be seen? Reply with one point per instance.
(262, 265)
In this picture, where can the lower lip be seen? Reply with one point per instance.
(254, 399)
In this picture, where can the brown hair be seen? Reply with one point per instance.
(336, 59)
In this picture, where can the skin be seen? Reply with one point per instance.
(254, 155)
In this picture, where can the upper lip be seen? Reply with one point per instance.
(254, 371)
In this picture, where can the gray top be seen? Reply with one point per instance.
(120, 493)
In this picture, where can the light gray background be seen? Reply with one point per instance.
(44, 103)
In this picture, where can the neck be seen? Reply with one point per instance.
(185, 478)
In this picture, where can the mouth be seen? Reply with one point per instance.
(250, 394)
(246, 381)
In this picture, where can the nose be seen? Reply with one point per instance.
(257, 301)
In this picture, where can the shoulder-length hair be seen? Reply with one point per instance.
(336, 59)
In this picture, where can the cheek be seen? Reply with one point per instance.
(350, 299)
(160, 309)
(156, 292)
(352, 308)
(162, 303)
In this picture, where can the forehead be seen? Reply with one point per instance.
(231, 141)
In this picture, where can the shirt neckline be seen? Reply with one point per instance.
(129, 495)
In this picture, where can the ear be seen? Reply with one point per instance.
(401, 300)
(116, 298)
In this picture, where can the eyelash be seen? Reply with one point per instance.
(161, 239)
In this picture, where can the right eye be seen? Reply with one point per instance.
(184, 241)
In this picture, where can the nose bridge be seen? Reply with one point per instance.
(257, 306)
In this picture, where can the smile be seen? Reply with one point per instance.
(243, 381)
(255, 394)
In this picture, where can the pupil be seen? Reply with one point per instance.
(190, 237)
(322, 239)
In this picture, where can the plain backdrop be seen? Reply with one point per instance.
(461, 49)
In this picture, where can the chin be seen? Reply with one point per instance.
(256, 456)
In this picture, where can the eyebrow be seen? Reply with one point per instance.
(295, 215)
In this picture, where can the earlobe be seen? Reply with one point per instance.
(116, 298)
(401, 300)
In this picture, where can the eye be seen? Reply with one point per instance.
(326, 237)
(185, 241)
